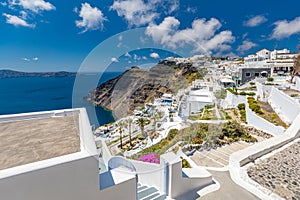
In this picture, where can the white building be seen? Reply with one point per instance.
(195, 101)
(261, 55)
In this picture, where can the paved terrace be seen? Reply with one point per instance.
(33, 140)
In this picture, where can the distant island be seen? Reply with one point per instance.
(15, 74)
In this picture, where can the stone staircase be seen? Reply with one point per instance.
(149, 193)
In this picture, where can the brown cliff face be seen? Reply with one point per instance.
(135, 87)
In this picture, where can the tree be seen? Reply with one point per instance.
(155, 118)
(121, 126)
(129, 122)
(296, 66)
(142, 122)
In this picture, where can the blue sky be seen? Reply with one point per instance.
(53, 35)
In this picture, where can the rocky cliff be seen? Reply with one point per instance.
(135, 87)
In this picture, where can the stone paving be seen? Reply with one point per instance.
(280, 173)
(218, 157)
(228, 190)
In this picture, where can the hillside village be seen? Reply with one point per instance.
(235, 106)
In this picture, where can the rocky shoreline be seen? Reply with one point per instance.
(280, 173)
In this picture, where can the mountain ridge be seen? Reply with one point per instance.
(7, 73)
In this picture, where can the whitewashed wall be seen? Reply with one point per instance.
(186, 187)
(285, 106)
(150, 174)
(263, 91)
(232, 101)
(262, 124)
(106, 155)
(297, 80)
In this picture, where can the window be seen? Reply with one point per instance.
(256, 74)
(248, 74)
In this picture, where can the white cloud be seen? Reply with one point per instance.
(120, 38)
(136, 57)
(286, 28)
(17, 21)
(26, 59)
(139, 12)
(127, 54)
(191, 10)
(144, 58)
(3, 3)
(255, 21)
(33, 5)
(92, 18)
(35, 59)
(154, 55)
(245, 46)
(202, 36)
(114, 60)
(119, 44)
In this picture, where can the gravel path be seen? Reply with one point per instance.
(280, 173)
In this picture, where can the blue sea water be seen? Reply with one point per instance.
(30, 94)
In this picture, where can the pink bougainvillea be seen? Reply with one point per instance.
(151, 158)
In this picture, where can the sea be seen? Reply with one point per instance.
(31, 94)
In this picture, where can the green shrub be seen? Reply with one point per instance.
(270, 79)
(140, 137)
(243, 115)
(241, 106)
(185, 163)
(175, 150)
(172, 134)
(252, 83)
(253, 105)
(209, 106)
(228, 117)
(294, 95)
(197, 140)
(232, 91)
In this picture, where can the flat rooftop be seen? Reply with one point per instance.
(27, 141)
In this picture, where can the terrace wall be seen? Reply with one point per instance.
(262, 124)
(232, 100)
(150, 174)
(285, 106)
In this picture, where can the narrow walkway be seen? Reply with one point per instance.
(228, 189)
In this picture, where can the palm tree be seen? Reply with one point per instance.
(121, 125)
(142, 122)
(155, 118)
(129, 122)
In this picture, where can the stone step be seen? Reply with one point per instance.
(146, 192)
(161, 197)
(217, 158)
(151, 196)
(142, 188)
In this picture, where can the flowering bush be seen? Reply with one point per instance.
(151, 158)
